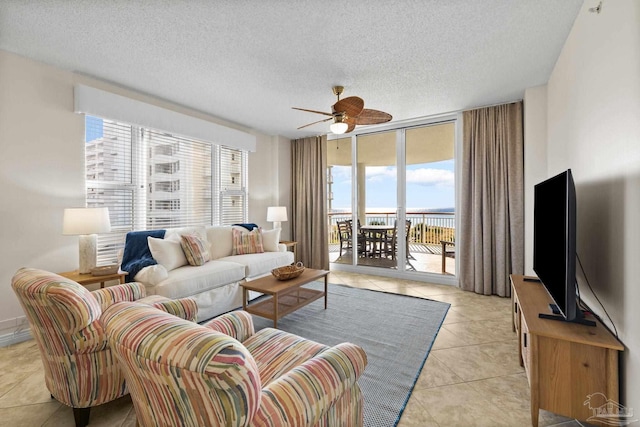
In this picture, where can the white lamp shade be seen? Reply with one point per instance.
(80, 221)
(339, 127)
(277, 213)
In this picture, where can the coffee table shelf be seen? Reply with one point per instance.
(287, 304)
(284, 297)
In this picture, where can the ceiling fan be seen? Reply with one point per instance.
(347, 113)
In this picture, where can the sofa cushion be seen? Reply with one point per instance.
(195, 248)
(260, 264)
(270, 240)
(220, 238)
(152, 274)
(167, 252)
(175, 233)
(191, 280)
(247, 243)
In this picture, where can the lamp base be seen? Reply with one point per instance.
(276, 224)
(88, 252)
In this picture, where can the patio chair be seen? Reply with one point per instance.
(344, 232)
(448, 251)
(391, 247)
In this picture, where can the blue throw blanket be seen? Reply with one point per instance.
(136, 252)
(249, 225)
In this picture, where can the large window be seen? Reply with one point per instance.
(152, 180)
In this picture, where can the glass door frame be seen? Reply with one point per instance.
(400, 129)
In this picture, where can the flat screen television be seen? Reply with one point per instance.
(554, 244)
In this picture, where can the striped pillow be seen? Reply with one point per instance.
(195, 248)
(247, 243)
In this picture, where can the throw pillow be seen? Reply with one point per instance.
(247, 243)
(195, 249)
(271, 240)
(168, 253)
(152, 274)
(220, 238)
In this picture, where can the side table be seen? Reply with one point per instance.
(89, 279)
(290, 244)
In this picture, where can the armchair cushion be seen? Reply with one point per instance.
(70, 302)
(236, 324)
(126, 292)
(277, 352)
(184, 308)
(318, 384)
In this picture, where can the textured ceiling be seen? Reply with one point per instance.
(249, 62)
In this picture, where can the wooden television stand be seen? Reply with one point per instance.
(565, 362)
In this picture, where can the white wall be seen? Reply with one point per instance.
(42, 170)
(535, 157)
(594, 129)
(270, 180)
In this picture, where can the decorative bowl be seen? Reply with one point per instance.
(288, 271)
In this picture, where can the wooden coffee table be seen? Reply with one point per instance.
(286, 296)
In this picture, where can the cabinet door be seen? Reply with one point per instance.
(525, 347)
(516, 315)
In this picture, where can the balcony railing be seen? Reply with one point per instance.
(426, 228)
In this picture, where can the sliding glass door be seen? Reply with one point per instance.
(392, 200)
(377, 199)
(430, 198)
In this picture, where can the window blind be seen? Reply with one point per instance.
(109, 180)
(178, 181)
(153, 180)
(232, 186)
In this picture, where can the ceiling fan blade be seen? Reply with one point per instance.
(351, 127)
(319, 121)
(313, 111)
(372, 117)
(351, 106)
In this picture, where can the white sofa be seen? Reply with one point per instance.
(215, 284)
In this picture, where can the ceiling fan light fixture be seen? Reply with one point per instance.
(339, 127)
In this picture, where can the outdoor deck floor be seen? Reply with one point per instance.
(423, 258)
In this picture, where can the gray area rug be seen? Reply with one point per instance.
(396, 332)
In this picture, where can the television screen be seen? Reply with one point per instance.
(554, 240)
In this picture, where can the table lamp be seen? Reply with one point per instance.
(277, 214)
(86, 223)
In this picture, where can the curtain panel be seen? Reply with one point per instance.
(491, 238)
(309, 201)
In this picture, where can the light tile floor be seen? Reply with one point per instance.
(472, 376)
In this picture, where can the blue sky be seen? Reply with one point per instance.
(92, 128)
(428, 186)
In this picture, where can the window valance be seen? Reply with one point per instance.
(119, 108)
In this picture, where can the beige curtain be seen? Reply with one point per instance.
(491, 234)
(309, 201)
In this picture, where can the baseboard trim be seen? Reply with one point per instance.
(15, 338)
